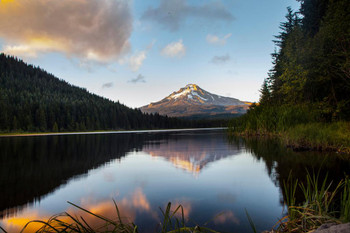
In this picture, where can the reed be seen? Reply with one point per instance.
(320, 203)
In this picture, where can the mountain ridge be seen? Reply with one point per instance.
(192, 100)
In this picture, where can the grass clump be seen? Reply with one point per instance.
(67, 223)
(323, 202)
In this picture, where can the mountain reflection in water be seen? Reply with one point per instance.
(192, 152)
(201, 170)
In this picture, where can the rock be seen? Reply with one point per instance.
(333, 228)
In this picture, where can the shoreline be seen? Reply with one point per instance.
(297, 145)
(108, 132)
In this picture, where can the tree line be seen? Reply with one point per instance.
(312, 61)
(33, 100)
(310, 77)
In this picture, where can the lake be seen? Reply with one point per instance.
(213, 178)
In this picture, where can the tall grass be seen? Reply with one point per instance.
(334, 136)
(323, 202)
(270, 119)
(345, 201)
(73, 224)
(173, 222)
(300, 126)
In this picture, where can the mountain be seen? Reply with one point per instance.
(32, 100)
(193, 101)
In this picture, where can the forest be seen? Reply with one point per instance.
(32, 100)
(307, 92)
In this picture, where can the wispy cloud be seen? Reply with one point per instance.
(171, 14)
(220, 59)
(213, 39)
(139, 79)
(107, 85)
(135, 61)
(91, 30)
(174, 49)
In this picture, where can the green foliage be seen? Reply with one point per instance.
(309, 81)
(312, 63)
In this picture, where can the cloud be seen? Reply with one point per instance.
(213, 39)
(139, 79)
(174, 49)
(107, 85)
(220, 59)
(135, 61)
(139, 200)
(227, 216)
(90, 30)
(170, 14)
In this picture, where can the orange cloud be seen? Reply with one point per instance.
(139, 200)
(128, 208)
(16, 224)
(186, 208)
(92, 30)
(227, 216)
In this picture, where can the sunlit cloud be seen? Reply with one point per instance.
(213, 39)
(186, 208)
(16, 223)
(139, 200)
(220, 59)
(91, 30)
(172, 14)
(227, 216)
(128, 208)
(174, 49)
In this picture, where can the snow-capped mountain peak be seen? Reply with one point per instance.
(191, 100)
(193, 94)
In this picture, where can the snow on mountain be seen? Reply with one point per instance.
(192, 100)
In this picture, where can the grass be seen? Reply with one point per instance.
(300, 126)
(67, 223)
(320, 136)
(323, 202)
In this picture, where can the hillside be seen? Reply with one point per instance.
(193, 101)
(33, 100)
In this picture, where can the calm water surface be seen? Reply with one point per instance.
(201, 170)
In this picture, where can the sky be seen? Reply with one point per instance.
(137, 51)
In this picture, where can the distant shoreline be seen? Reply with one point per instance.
(106, 132)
